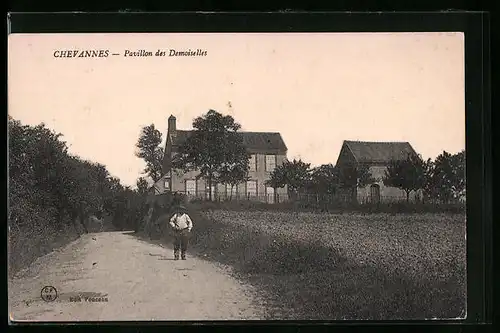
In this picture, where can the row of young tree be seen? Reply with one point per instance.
(216, 150)
(45, 179)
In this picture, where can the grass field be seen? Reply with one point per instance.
(343, 266)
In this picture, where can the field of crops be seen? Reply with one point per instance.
(413, 244)
(334, 266)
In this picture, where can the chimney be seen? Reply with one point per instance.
(172, 129)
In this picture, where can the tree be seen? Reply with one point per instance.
(81, 189)
(38, 162)
(353, 176)
(448, 176)
(30, 200)
(324, 179)
(233, 175)
(428, 186)
(40, 155)
(50, 178)
(214, 148)
(142, 185)
(276, 180)
(295, 174)
(458, 181)
(112, 190)
(150, 151)
(48, 186)
(407, 174)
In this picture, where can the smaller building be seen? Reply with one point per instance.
(376, 156)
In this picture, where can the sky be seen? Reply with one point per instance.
(315, 89)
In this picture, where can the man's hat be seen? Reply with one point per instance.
(181, 207)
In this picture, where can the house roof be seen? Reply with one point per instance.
(255, 141)
(379, 152)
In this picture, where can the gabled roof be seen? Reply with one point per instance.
(180, 137)
(254, 141)
(263, 141)
(379, 152)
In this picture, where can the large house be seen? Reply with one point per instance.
(377, 156)
(268, 150)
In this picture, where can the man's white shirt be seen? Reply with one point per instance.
(181, 221)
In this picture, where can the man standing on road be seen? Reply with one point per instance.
(181, 224)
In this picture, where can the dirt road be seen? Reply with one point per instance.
(114, 276)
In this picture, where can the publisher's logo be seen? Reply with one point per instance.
(49, 294)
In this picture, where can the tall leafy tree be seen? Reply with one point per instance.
(407, 174)
(148, 148)
(214, 148)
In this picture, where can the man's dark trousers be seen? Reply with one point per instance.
(181, 238)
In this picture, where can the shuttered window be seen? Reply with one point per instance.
(253, 163)
(270, 162)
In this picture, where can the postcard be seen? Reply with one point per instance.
(236, 176)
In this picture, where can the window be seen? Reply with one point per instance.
(253, 163)
(270, 162)
(269, 194)
(230, 193)
(190, 187)
(251, 188)
(166, 184)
